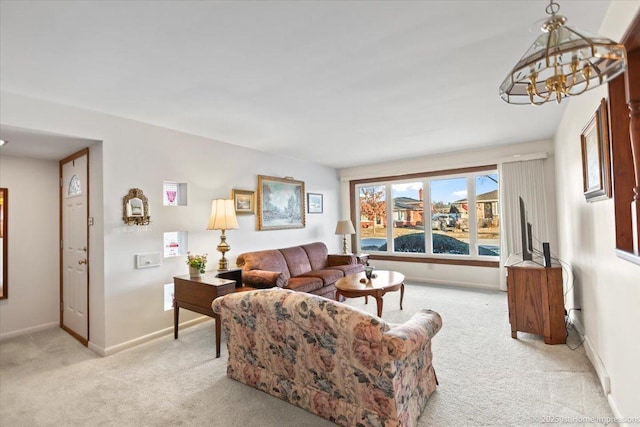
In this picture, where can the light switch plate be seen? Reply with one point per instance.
(150, 259)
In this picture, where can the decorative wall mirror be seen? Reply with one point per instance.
(4, 208)
(135, 208)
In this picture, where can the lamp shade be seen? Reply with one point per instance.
(345, 227)
(223, 215)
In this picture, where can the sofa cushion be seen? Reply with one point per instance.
(270, 260)
(348, 269)
(328, 292)
(262, 279)
(328, 276)
(297, 260)
(317, 253)
(304, 284)
(342, 259)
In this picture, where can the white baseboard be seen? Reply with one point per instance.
(471, 285)
(109, 350)
(140, 340)
(30, 330)
(594, 358)
(601, 371)
(616, 412)
(96, 349)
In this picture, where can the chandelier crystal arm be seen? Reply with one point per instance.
(534, 102)
(532, 90)
(574, 75)
(586, 75)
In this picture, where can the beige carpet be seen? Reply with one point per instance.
(486, 377)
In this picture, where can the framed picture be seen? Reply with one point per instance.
(596, 162)
(280, 203)
(244, 201)
(314, 203)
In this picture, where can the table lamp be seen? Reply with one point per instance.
(345, 227)
(223, 217)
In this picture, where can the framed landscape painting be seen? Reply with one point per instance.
(243, 201)
(280, 203)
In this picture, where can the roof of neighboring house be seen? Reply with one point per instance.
(491, 196)
(407, 203)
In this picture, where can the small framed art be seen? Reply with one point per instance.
(596, 161)
(244, 201)
(314, 203)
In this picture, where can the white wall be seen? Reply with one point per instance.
(478, 277)
(33, 289)
(606, 288)
(127, 304)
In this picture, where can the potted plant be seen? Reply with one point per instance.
(197, 264)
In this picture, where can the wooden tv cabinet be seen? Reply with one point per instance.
(536, 301)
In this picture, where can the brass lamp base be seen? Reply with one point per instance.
(223, 247)
(223, 264)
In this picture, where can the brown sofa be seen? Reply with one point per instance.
(306, 268)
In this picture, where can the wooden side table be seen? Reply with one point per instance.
(197, 294)
(234, 274)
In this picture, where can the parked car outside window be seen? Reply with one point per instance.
(444, 221)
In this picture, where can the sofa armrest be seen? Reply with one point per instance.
(216, 306)
(405, 338)
(263, 279)
(333, 260)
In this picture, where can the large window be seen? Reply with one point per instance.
(449, 215)
(408, 217)
(373, 217)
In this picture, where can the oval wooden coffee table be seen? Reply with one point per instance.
(385, 281)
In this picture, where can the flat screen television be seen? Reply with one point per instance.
(525, 230)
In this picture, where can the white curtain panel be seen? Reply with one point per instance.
(526, 180)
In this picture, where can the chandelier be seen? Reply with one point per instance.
(563, 61)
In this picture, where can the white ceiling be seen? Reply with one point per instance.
(341, 83)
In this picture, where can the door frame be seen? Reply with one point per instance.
(84, 151)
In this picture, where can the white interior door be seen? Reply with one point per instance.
(74, 199)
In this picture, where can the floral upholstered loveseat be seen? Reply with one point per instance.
(305, 268)
(329, 358)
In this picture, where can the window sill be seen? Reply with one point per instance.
(431, 260)
(628, 256)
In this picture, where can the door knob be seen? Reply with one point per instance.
(82, 261)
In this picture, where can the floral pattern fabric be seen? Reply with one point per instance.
(331, 359)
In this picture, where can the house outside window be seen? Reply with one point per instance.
(429, 216)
